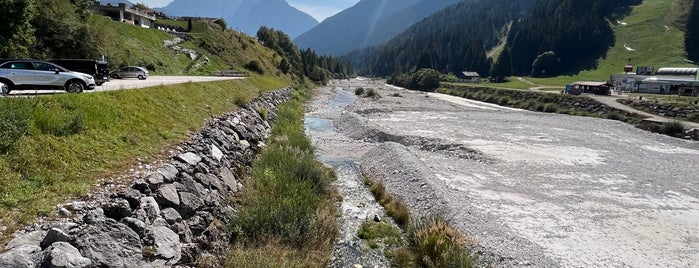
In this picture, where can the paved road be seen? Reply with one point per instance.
(533, 189)
(118, 84)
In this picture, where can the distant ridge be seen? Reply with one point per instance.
(368, 23)
(247, 15)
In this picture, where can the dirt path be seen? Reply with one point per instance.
(611, 102)
(533, 189)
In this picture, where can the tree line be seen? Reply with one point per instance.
(47, 29)
(692, 35)
(300, 63)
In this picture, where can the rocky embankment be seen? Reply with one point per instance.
(171, 215)
(689, 113)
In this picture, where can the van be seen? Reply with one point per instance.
(98, 69)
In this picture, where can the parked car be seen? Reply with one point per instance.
(131, 72)
(18, 74)
(98, 69)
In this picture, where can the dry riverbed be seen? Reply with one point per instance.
(533, 189)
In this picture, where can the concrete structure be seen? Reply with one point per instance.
(597, 88)
(126, 14)
(673, 81)
(467, 76)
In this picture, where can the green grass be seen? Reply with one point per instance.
(71, 140)
(286, 216)
(644, 32)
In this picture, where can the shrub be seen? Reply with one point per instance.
(673, 128)
(398, 211)
(359, 91)
(372, 93)
(613, 116)
(437, 244)
(550, 108)
(255, 66)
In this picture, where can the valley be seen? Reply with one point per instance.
(533, 189)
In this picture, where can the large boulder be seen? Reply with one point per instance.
(190, 158)
(164, 244)
(189, 204)
(54, 235)
(64, 255)
(21, 256)
(167, 196)
(110, 244)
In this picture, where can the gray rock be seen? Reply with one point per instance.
(228, 180)
(141, 215)
(22, 256)
(188, 184)
(52, 236)
(189, 204)
(244, 144)
(132, 196)
(150, 206)
(155, 179)
(169, 172)
(110, 244)
(190, 158)
(167, 196)
(117, 209)
(165, 244)
(171, 215)
(216, 153)
(94, 215)
(135, 224)
(142, 186)
(182, 229)
(209, 181)
(160, 222)
(32, 238)
(64, 255)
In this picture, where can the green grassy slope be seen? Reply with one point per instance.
(125, 44)
(645, 32)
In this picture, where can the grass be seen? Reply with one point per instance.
(431, 241)
(69, 141)
(286, 216)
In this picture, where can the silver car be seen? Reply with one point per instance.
(22, 74)
(131, 72)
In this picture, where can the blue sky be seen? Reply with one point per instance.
(319, 9)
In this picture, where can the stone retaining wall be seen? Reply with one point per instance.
(172, 215)
(690, 113)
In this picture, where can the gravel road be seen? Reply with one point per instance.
(118, 84)
(532, 189)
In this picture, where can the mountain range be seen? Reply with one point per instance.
(368, 23)
(247, 15)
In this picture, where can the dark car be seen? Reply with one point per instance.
(98, 69)
(19, 74)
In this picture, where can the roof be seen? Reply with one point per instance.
(676, 71)
(590, 83)
(470, 74)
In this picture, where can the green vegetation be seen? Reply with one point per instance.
(692, 36)
(302, 63)
(286, 216)
(423, 79)
(359, 91)
(431, 241)
(56, 147)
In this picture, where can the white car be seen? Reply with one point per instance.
(19, 74)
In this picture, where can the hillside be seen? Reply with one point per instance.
(452, 40)
(247, 15)
(366, 24)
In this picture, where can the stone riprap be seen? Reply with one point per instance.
(168, 216)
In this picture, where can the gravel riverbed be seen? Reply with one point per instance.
(532, 189)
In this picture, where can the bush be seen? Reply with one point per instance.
(673, 128)
(437, 244)
(372, 93)
(359, 91)
(550, 108)
(255, 66)
(613, 116)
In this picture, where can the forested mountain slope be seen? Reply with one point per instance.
(452, 40)
(369, 22)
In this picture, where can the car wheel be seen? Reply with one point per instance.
(74, 86)
(99, 83)
(116, 76)
(141, 77)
